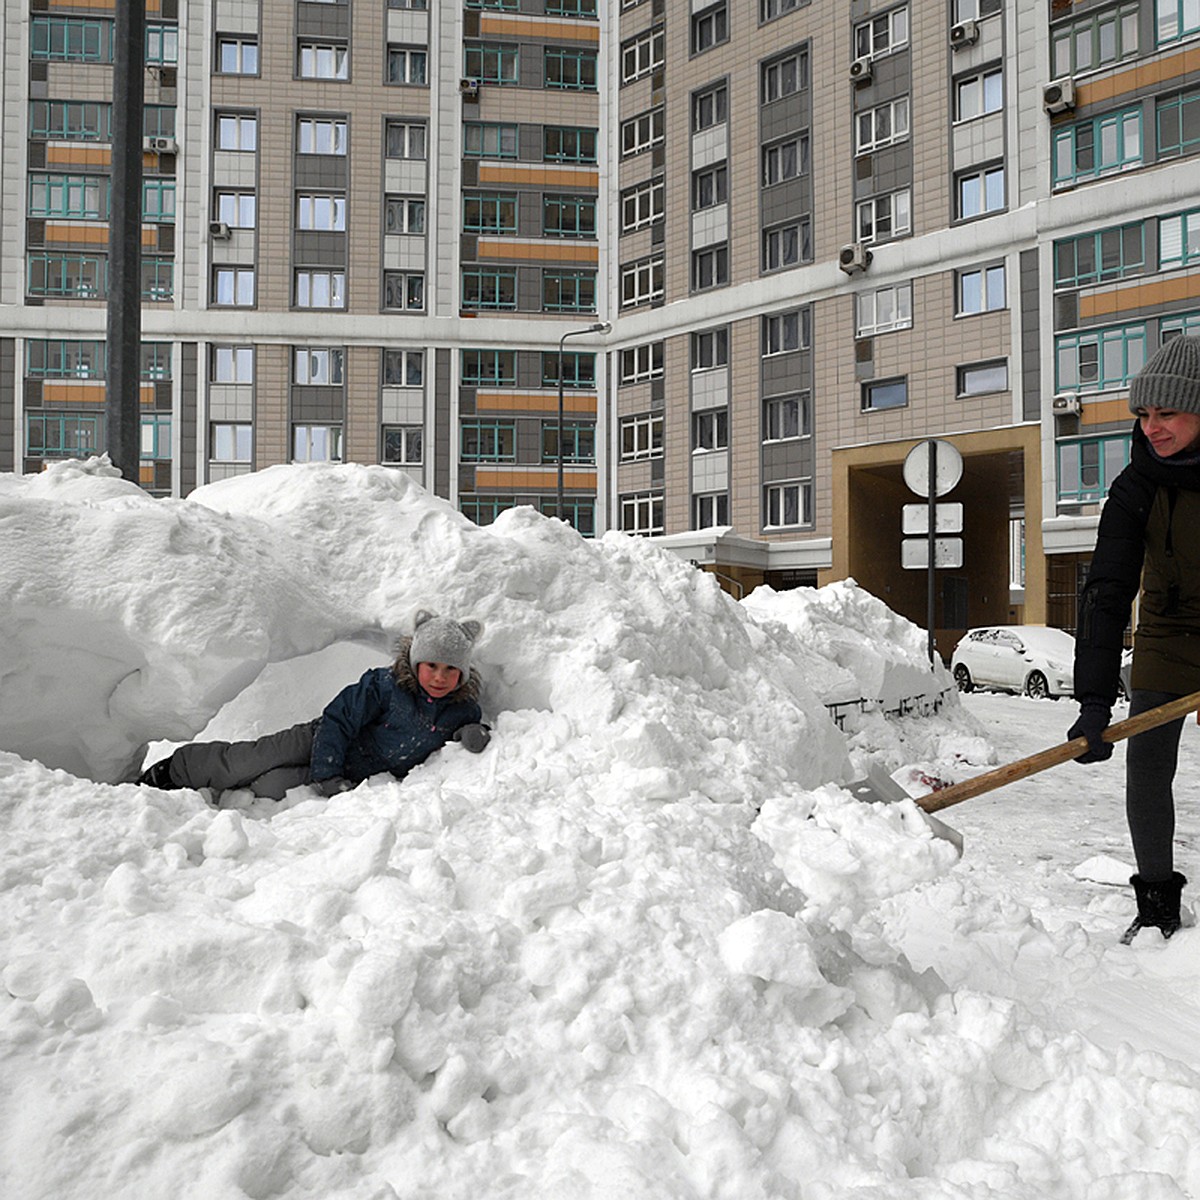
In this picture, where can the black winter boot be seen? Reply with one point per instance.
(159, 775)
(1158, 905)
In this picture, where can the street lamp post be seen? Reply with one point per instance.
(598, 327)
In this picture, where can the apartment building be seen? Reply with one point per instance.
(700, 271)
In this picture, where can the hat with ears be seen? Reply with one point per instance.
(441, 640)
(1171, 379)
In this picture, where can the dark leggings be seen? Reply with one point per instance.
(1150, 762)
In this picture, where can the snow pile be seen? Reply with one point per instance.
(581, 964)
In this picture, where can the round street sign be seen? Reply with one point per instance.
(948, 468)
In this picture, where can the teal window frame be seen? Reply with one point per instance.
(569, 216)
(497, 63)
(70, 120)
(63, 358)
(156, 437)
(568, 69)
(483, 510)
(53, 270)
(489, 288)
(479, 136)
(1101, 255)
(1085, 140)
(572, 8)
(162, 45)
(503, 5)
(1086, 467)
(488, 368)
(490, 213)
(568, 291)
(155, 361)
(565, 143)
(158, 278)
(1187, 324)
(579, 442)
(1188, 253)
(79, 197)
(1181, 111)
(1171, 21)
(61, 434)
(1097, 39)
(158, 120)
(487, 441)
(71, 39)
(579, 369)
(158, 201)
(1099, 359)
(579, 513)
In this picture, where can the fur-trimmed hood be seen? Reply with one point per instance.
(406, 677)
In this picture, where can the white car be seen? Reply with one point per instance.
(1033, 659)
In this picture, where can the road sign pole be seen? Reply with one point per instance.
(929, 584)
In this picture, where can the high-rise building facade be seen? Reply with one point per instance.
(704, 271)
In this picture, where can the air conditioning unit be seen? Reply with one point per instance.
(219, 230)
(1058, 96)
(1066, 405)
(469, 88)
(161, 145)
(965, 33)
(854, 257)
(860, 70)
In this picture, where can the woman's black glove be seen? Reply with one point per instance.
(1094, 716)
(474, 737)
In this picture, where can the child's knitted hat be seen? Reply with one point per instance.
(441, 640)
(1171, 379)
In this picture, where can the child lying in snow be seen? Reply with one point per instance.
(392, 719)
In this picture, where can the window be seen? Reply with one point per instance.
(511, 5)
(158, 200)
(322, 60)
(1179, 124)
(881, 126)
(1099, 359)
(1187, 324)
(710, 27)
(1099, 146)
(571, 8)
(787, 245)
(579, 369)
(786, 417)
(403, 368)
(1106, 254)
(710, 267)
(710, 107)
(979, 192)
(641, 132)
(488, 441)
(321, 135)
(568, 145)
(402, 140)
(404, 290)
(82, 197)
(977, 95)
(402, 445)
(319, 288)
(238, 210)
(884, 217)
(710, 429)
(980, 290)
(230, 443)
(489, 368)
(57, 359)
(568, 291)
(1175, 19)
(787, 504)
(710, 509)
(641, 437)
(785, 160)
(1178, 240)
(483, 510)
(158, 277)
(489, 140)
(236, 54)
(489, 287)
(642, 205)
(233, 364)
(325, 213)
(787, 331)
(63, 434)
(977, 379)
(407, 64)
(237, 131)
(776, 8)
(882, 35)
(156, 437)
(317, 443)
(78, 275)
(1096, 40)
(318, 365)
(404, 214)
(71, 39)
(784, 76)
(639, 363)
(156, 360)
(162, 45)
(233, 286)
(710, 187)
(70, 120)
(491, 62)
(884, 393)
(568, 69)
(974, 10)
(489, 212)
(642, 54)
(422, 5)
(569, 216)
(579, 443)
(1087, 467)
(710, 348)
(642, 513)
(642, 281)
(883, 310)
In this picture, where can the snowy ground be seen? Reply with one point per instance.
(644, 947)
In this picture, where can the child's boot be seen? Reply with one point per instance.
(1158, 905)
(159, 775)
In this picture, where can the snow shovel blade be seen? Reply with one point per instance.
(880, 787)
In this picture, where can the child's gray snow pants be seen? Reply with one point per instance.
(268, 766)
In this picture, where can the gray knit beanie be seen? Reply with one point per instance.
(1171, 379)
(441, 640)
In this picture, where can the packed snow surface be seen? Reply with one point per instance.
(643, 946)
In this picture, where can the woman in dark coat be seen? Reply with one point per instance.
(1149, 538)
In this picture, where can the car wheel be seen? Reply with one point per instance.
(1036, 686)
(963, 678)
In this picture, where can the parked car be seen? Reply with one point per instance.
(1033, 659)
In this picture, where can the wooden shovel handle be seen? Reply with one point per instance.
(1065, 752)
